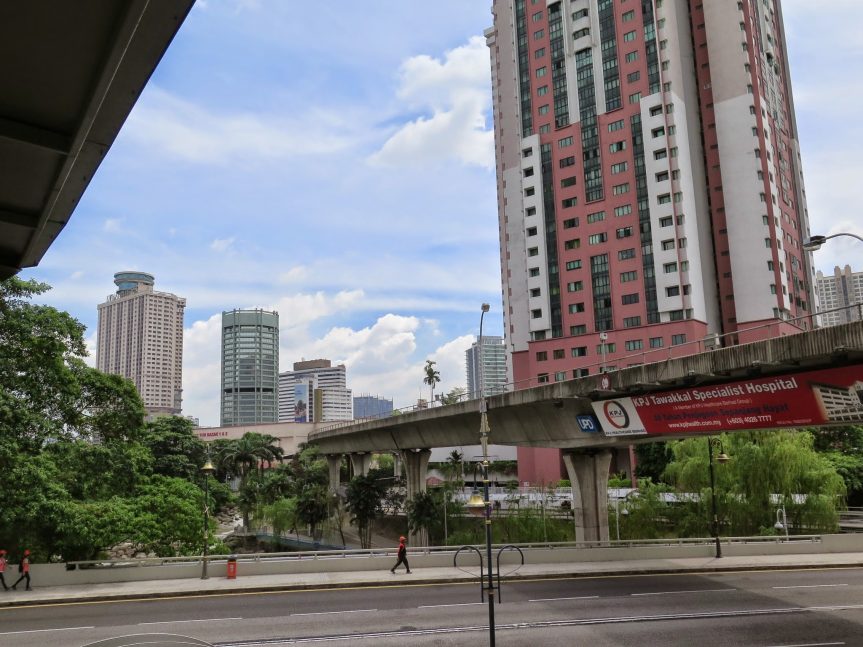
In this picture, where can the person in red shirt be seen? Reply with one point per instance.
(3, 569)
(24, 569)
(403, 556)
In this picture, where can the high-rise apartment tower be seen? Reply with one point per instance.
(140, 336)
(649, 182)
(838, 292)
(486, 366)
(250, 367)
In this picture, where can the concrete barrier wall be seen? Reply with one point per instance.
(57, 575)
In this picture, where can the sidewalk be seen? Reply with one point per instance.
(324, 580)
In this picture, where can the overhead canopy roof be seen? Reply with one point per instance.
(70, 73)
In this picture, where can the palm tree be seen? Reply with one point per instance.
(432, 377)
(241, 457)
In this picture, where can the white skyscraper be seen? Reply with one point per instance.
(140, 336)
(321, 387)
(840, 290)
(492, 373)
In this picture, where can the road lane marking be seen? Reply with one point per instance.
(36, 631)
(674, 592)
(582, 597)
(173, 622)
(437, 606)
(809, 586)
(326, 613)
(809, 645)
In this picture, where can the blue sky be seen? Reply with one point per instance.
(337, 164)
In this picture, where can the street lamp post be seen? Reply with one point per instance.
(722, 457)
(485, 505)
(813, 243)
(783, 524)
(207, 470)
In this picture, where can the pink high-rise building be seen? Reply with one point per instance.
(649, 184)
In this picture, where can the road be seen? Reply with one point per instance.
(765, 608)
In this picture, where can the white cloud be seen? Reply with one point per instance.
(222, 244)
(76, 275)
(296, 274)
(190, 132)
(113, 225)
(456, 92)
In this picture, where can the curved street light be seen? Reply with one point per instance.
(813, 243)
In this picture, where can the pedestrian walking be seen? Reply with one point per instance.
(3, 569)
(403, 557)
(24, 569)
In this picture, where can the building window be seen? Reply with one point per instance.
(666, 221)
(615, 125)
(629, 299)
(540, 72)
(573, 243)
(539, 53)
(631, 322)
(669, 268)
(625, 210)
(530, 211)
(533, 251)
(543, 110)
(569, 223)
(531, 231)
(560, 376)
(536, 314)
(595, 217)
(580, 329)
(578, 351)
(665, 198)
(631, 56)
(566, 203)
(581, 33)
(542, 378)
(535, 292)
(667, 244)
(634, 344)
(616, 147)
(567, 181)
(610, 347)
(567, 161)
(629, 15)
(629, 36)
(660, 154)
(529, 191)
(620, 189)
(563, 143)
(626, 277)
(624, 232)
(656, 342)
(626, 254)
(534, 271)
(596, 239)
(672, 291)
(575, 308)
(528, 172)
(573, 265)
(618, 168)
(574, 286)
(558, 353)
(677, 340)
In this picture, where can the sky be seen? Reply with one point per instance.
(336, 164)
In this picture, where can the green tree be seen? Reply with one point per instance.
(176, 450)
(652, 459)
(313, 507)
(363, 497)
(424, 514)
(766, 469)
(843, 448)
(454, 395)
(431, 378)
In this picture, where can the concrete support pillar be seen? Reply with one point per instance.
(588, 473)
(361, 463)
(397, 465)
(416, 463)
(334, 463)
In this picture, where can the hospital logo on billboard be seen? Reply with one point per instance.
(619, 417)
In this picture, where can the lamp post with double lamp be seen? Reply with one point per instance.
(477, 505)
(722, 457)
(206, 470)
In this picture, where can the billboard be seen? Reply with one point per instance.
(811, 398)
(301, 402)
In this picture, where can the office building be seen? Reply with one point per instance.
(140, 336)
(486, 367)
(250, 367)
(649, 183)
(371, 406)
(837, 292)
(315, 391)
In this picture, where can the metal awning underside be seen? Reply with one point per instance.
(70, 73)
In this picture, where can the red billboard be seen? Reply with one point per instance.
(810, 398)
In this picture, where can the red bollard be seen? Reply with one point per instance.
(232, 567)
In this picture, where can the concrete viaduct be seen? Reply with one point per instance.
(546, 416)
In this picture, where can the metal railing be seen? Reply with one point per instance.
(655, 355)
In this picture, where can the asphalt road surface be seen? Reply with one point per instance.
(767, 608)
